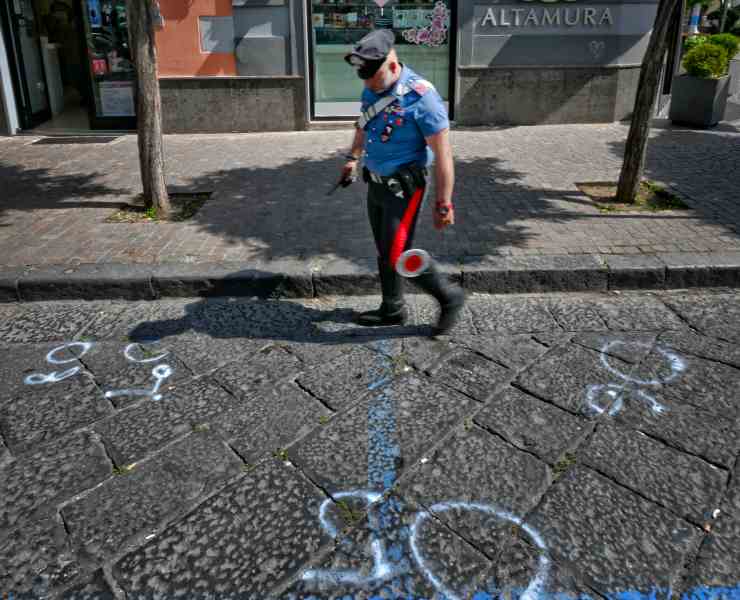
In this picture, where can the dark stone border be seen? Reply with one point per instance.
(301, 279)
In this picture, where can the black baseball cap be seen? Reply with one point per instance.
(374, 47)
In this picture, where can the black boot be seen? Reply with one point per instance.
(449, 295)
(392, 310)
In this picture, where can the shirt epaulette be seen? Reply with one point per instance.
(421, 86)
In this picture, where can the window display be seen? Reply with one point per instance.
(109, 55)
(422, 41)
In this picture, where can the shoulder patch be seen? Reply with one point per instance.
(421, 86)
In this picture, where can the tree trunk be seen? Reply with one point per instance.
(636, 148)
(723, 18)
(149, 106)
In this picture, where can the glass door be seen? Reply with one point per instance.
(423, 42)
(111, 71)
(25, 49)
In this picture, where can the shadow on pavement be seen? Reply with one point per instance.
(44, 189)
(284, 212)
(274, 320)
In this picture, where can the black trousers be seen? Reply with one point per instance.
(392, 219)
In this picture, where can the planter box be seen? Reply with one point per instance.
(698, 102)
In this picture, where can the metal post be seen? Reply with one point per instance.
(695, 17)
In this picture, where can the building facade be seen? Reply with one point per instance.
(272, 65)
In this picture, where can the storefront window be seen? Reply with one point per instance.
(422, 41)
(112, 71)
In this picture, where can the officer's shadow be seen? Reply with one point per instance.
(313, 320)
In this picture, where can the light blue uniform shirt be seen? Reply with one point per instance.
(395, 137)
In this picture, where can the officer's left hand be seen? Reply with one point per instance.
(444, 215)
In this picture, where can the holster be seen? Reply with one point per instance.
(411, 177)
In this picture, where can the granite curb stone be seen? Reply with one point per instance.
(287, 278)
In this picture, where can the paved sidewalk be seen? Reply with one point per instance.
(577, 446)
(516, 197)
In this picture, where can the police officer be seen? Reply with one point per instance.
(402, 129)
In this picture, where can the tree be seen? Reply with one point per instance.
(636, 148)
(141, 23)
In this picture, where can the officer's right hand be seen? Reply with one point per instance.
(349, 171)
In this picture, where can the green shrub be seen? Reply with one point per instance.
(728, 41)
(733, 18)
(706, 61)
(693, 41)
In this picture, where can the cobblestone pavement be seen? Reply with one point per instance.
(516, 195)
(585, 445)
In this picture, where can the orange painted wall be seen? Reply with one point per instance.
(178, 44)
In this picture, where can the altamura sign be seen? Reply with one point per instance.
(547, 16)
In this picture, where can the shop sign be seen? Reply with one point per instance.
(547, 16)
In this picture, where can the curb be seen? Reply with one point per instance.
(303, 279)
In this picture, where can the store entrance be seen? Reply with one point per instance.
(71, 62)
(423, 41)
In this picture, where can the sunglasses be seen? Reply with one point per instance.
(365, 68)
(356, 61)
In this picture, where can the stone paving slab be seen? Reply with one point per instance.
(628, 457)
(514, 352)
(34, 483)
(531, 315)
(614, 537)
(689, 343)
(345, 380)
(95, 587)
(686, 428)
(337, 456)
(259, 372)
(36, 558)
(265, 423)
(565, 376)
(32, 419)
(138, 502)
(145, 427)
(245, 540)
(114, 370)
(471, 374)
(38, 324)
(473, 467)
(533, 425)
(718, 562)
(703, 316)
(18, 361)
(707, 385)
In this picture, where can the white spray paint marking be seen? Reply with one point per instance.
(130, 347)
(382, 570)
(615, 394)
(57, 376)
(50, 358)
(160, 374)
(536, 585)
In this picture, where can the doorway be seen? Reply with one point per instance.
(425, 40)
(71, 63)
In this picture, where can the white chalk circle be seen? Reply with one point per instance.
(85, 346)
(677, 364)
(534, 589)
(54, 377)
(129, 356)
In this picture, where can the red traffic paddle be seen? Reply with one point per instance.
(413, 262)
